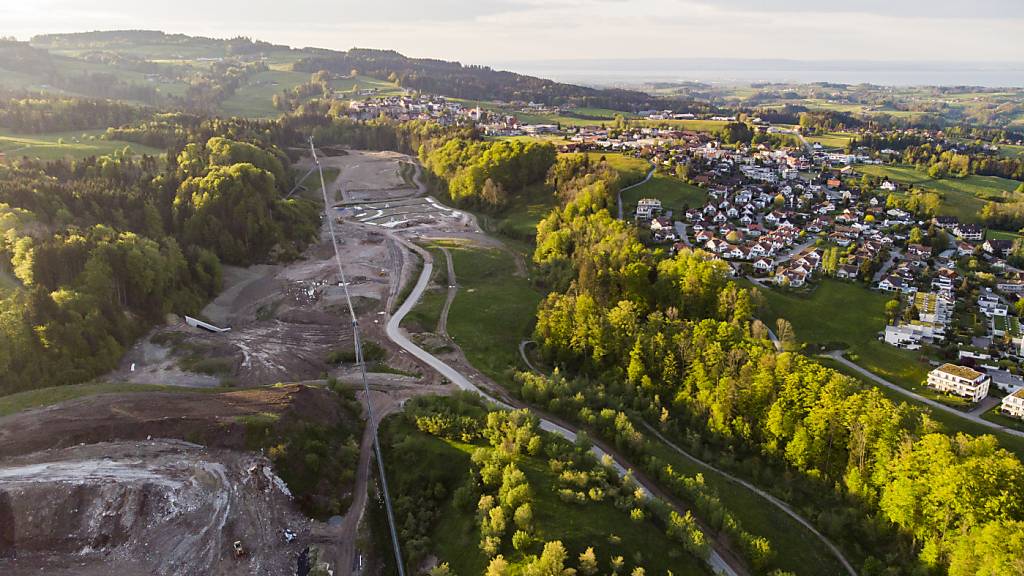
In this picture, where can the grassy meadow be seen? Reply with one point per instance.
(58, 145)
(961, 197)
(491, 295)
(846, 315)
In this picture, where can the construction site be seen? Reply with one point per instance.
(169, 482)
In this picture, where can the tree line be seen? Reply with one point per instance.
(103, 248)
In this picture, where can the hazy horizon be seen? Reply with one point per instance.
(495, 31)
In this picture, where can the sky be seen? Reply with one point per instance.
(486, 31)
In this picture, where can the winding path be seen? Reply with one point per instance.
(397, 335)
(837, 355)
(771, 499)
(650, 174)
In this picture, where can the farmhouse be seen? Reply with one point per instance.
(960, 381)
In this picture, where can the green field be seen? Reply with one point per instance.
(78, 144)
(991, 234)
(519, 220)
(631, 169)
(674, 194)
(961, 197)
(254, 98)
(20, 401)
(312, 182)
(849, 316)
(491, 295)
(693, 125)
(456, 535)
(831, 139)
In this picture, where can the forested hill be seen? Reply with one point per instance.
(472, 82)
(155, 67)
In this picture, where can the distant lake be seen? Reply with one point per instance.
(887, 74)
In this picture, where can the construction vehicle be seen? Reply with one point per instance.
(239, 550)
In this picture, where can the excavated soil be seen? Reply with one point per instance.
(152, 483)
(212, 419)
(152, 507)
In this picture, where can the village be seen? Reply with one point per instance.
(786, 213)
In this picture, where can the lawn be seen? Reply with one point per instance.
(674, 194)
(78, 144)
(831, 139)
(456, 534)
(997, 417)
(20, 401)
(961, 197)
(844, 315)
(493, 311)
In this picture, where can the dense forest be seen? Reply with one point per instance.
(105, 247)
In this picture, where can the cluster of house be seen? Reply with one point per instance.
(405, 107)
(973, 385)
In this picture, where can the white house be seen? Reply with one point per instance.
(648, 208)
(1013, 405)
(960, 380)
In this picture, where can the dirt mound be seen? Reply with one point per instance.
(213, 419)
(158, 507)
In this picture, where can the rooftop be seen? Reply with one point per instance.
(960, 371)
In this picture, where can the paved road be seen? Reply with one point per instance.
(789, 254)
(772, 499)
(681, 232)
(894, 254)
(399, 337)
(650, 174)
(837, 355)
